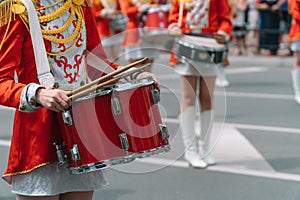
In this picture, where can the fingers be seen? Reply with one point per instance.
(53, 99)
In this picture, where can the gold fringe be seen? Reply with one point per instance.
(27, 171)
(89, 3)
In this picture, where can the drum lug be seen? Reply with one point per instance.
(163, 131)
(155, 96)
(75, 153)
(61, 156)
(124, 141)
(66, 115)
(115, 103)
(193, 53)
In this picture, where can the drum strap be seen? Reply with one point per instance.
(44, 75)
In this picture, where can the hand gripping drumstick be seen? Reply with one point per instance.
(111, 81)
(107, 76)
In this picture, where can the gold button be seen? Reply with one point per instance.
(56, 85)
(32, 102)
(17, 9)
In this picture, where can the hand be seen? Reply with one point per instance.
(221, 39)
(175, 30)
(53, 99)
(149, 75)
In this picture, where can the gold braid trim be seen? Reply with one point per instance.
(89, 3)
(26, 171)
(5, 12)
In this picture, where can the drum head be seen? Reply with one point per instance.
(202, 42)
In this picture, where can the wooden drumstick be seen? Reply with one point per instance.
(111, 81)
(107, 76)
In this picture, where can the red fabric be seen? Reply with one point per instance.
(102, 22)
(219, 17)
(33, 133)
(294, 7)
(132, 35)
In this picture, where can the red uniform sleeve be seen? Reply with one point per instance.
(224, 11)
(127, 8)
(10, 60)
(295, 10)
(174, 12)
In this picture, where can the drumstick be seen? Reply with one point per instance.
(107, 76)
(111, 81)
(180, 12)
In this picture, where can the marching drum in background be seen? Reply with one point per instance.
(155, 24)
(200, 49)
(198, 54)
(112, 125)
(118, 23)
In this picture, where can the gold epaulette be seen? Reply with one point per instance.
(8, 8)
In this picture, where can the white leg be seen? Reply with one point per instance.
(221, 80)
(206, 120)
(296, 83)
(190, 139)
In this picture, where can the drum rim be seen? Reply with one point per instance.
(198, 47)
(120, 160)
(164, 8)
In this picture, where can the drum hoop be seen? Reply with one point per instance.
(133, 84)
(159, 9)
(98, 93)
(198, 47)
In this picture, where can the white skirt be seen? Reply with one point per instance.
(196, 69)
(295, 45)
(51, 180)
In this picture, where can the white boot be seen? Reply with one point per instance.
(221, 80)
(296, 83)
(190, 139)
(206, 120)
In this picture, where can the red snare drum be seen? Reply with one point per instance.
(155, 24)
(114, 125)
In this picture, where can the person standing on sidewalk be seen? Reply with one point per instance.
(294, 37)
(214, 19)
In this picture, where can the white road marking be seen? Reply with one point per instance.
(5, 143)
(227, 169)
(247, 69)
(255, 95)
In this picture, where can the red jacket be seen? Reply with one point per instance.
(219, 18)
(33, 132)
(131, 10)
(294, 6)
(102, 22)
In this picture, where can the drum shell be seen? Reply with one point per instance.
(199, 52)
(97, 128)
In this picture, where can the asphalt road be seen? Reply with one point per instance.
(256, 141)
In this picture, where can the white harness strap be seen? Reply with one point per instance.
(44, 76)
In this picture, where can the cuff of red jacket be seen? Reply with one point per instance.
(28, 101)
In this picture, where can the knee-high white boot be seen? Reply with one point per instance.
(296, 83)
(206, 123)
(190, 139)
(221, 80)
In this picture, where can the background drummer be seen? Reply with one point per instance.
(135, 47)
(205, 17)
(112, 37)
